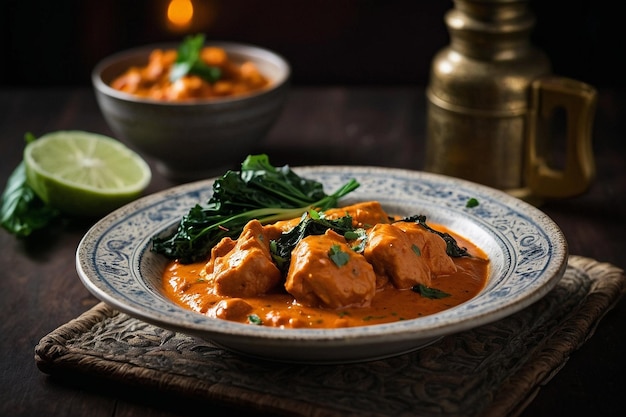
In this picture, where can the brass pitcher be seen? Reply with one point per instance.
(491, 99)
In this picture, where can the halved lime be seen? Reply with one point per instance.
(83, 173)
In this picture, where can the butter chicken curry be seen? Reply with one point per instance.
(355, 266)
(194, 71)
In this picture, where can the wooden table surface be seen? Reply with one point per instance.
(384, 126)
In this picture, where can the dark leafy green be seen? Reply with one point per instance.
(429, 292)
(188, 61)
(258, 191)
(471, 203)
(452, 247)
(22, 212)
(312, 223)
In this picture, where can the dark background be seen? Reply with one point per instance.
(51, 43)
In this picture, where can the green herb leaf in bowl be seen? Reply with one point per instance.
(189, 61)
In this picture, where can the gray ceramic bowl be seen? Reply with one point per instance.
(192, 140)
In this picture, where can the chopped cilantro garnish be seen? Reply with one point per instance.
(339, 257)
(471, 203)
(188, 61)
(254, 319)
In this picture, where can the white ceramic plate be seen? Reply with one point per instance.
(527, 250)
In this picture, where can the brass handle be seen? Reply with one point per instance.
(578, 100)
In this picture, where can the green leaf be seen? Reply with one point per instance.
(339, 257)
(471, 203)
(21, 211)
(309, 224)
(188, 61)
(428, 292)
(452, 247)
(259, 191)
(359, 236)
(206, 72)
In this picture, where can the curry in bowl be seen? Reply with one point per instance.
(123, 258)
(358, 266)
(271, 248)
(194, 71)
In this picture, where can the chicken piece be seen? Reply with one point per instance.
(158, 65)
(188, 87)
(251, 76)
(391, 253)
(364, 215)
(223, 247)
(274, 230)
(212, 56)
(432, 247)
(315, 280)
(234, 309)
(245, 268)
(406, 255)
(129, 82)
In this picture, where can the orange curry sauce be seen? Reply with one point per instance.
(185, 285)
(153, 80)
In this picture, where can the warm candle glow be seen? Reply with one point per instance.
(180, 13)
